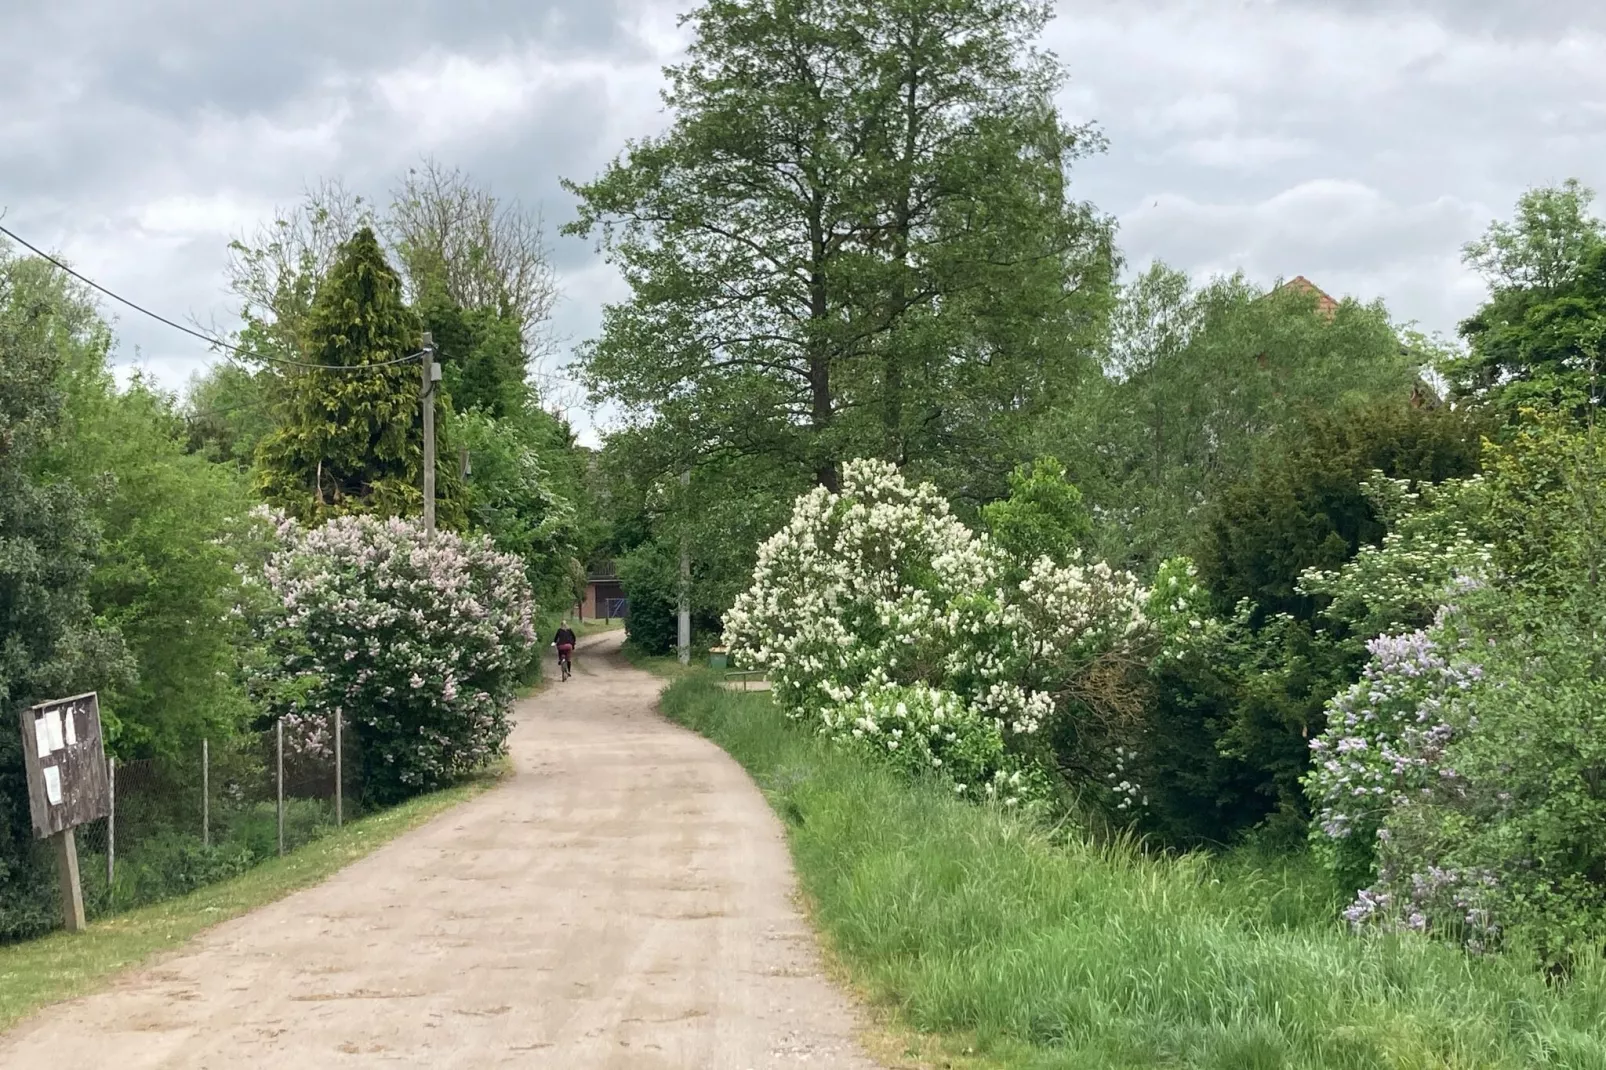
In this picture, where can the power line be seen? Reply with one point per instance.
(218, 342)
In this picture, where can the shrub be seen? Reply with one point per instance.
(418, 644)
(876, 607)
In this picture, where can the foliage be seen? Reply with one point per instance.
(165, 576)
(650, 576)
(854, 239)
(419, 644)
(1233, 716)
(1306, 506)
(1042, 517)
(511, 497)
(349, 439)
(1037, 948)
(1538, 340)
(1201, 380)
(51, 642)
(880, 588)
(457, 241)
(481, 354)
(229, 411)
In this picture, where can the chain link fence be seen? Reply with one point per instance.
(178, 824)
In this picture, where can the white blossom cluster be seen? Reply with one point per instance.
(882, 615)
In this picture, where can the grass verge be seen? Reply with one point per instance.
(979, 932)
(63, 966)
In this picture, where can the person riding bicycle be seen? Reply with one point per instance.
(564, 641)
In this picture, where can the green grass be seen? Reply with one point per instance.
(979, 930)
(63, 965)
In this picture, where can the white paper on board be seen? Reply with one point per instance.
(41, 737)
(53, 727)
(53, 785)
(70, 724)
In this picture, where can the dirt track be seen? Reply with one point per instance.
(623, 901)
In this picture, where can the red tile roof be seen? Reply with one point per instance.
(1324, 304)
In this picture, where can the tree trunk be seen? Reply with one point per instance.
(820, 414)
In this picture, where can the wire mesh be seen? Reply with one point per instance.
(181, 822)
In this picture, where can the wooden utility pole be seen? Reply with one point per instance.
(685, 578)
(431, 375)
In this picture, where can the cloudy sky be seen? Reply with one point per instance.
(1358, 143)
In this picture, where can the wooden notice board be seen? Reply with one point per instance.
(66, 764)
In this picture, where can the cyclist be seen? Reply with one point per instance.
(564, 641)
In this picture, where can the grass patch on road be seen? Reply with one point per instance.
(63, 965)
(981, 932)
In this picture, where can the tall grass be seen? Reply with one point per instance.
(1048, 951)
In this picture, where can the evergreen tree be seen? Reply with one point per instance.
(352, 440)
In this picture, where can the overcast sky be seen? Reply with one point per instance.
(1359, 143)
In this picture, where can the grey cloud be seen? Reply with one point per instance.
(1359, 143)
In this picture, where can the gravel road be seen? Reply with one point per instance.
(623, 901)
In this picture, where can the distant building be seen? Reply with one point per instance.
(1325, 305)
(605, 595)
(1423, 394)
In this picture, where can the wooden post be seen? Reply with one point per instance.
(431, 373)
(278, 731)
(683, 629)
(72, 891)
(206, 793)
(111, 826)
(339, 776)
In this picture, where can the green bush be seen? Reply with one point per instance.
(650, 575)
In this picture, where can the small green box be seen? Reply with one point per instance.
(717, 658)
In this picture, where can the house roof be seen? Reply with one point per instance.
(1324, 304)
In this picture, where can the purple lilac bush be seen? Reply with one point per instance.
(419, 645)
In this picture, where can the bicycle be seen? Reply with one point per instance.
(564, 665)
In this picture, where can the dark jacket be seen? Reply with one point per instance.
(564, 638)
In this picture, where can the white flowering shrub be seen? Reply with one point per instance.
(880, 615)
(417, 644)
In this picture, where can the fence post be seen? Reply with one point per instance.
(111, 827)
(339, 776)
(278, 732)
(206, 793)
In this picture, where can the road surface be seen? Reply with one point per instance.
(623, 901)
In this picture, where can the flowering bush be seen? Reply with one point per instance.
(1429, 551)
(1384, 744)
(1504, 836)
(877, 600)
(417, 644)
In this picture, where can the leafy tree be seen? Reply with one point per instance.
(165, 576)
(483, 255)
(854, 238)
(1553, 234)
(350, 440)
(51, 644)
(1199, 381)
(229, 411)
(481, 354)
(1042, 517)
(1232, 722)
(510, 495)
(1541, 336)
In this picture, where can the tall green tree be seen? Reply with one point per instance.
(349, 437)
(1541, 337)
(854, 239)
(165, 575)
(1199, 380)
(51, 642)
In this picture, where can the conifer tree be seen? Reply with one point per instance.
(350, 435)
